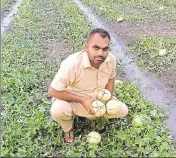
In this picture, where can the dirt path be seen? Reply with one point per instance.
(6, 8)
(151, 88)
(129, 30)
(6, 22)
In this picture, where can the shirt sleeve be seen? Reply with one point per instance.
(64, 77)
(113, 74)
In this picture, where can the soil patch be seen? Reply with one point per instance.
(57, 50)
(130, 31)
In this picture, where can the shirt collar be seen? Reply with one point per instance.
(86, 60)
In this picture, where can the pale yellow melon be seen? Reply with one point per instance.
(104, 95)
(94, 138)
(113, 106)
(99, 108)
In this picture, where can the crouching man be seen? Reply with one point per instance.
(80, 77)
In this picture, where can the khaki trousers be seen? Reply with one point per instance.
(63, 113)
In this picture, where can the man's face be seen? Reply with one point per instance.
(97, 49)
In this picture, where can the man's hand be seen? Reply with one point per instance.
(87, 104)
(67, 96)
(110, 85)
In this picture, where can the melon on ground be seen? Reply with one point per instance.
(94, 138)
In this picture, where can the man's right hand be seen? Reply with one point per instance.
(87, 104)
(86, 101)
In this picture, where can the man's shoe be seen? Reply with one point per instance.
(69, 136)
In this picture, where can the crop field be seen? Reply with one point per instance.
(43, 34)
(134, 10)
(148, 26)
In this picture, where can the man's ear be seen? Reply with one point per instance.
(85, 46)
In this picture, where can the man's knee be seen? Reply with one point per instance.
(61, 110)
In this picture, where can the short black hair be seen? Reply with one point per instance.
(103, 33)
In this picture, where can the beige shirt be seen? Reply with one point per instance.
(77, 76)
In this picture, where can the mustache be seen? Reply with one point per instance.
(100, 57)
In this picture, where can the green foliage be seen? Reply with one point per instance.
(146, 52)
(27, 127)
(5, 5)
(74, 26)
(135, 10)
(145, 49)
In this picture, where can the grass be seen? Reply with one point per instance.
(27, 124)
(135, 10)
(27, 127)
(146, 53)
(146, 48)
(5, 4)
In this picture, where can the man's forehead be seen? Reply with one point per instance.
(97, 38)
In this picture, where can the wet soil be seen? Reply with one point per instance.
(129, 31)
(7, 9)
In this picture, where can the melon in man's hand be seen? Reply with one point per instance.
(94, 138)
(99, 108)
(104, 95)
(113, 106)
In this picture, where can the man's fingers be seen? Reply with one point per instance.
(93, 99)
(87, 109)
(92, 111)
